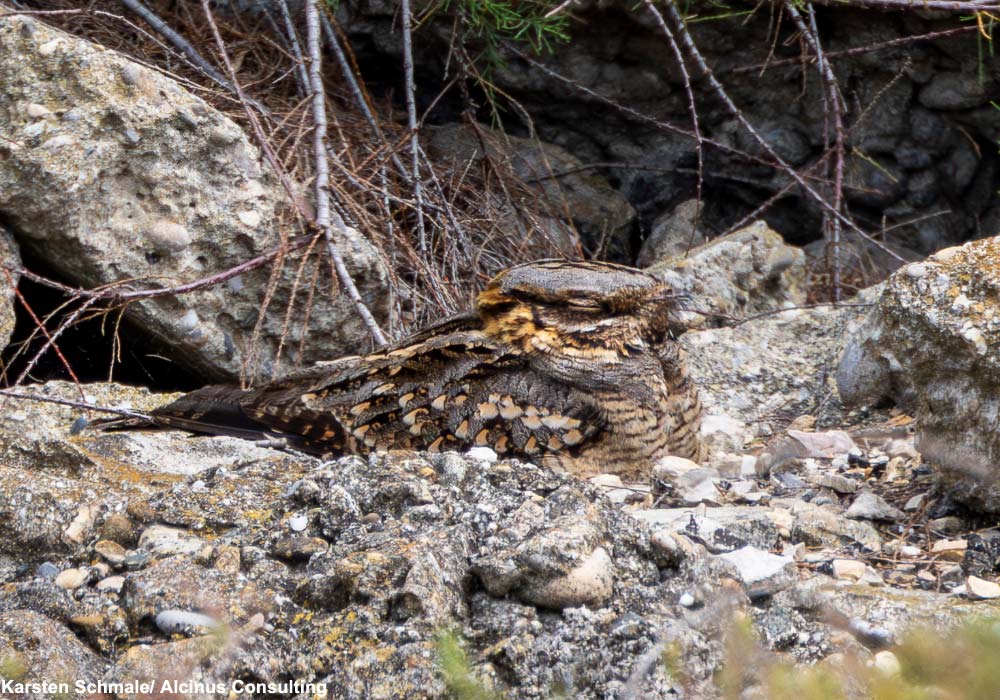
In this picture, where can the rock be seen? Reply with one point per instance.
(838, 483)
(10, 260)
(590, 583)
(598, 211)
(112, 552)
(122, 181)
(36, 649)
(184, 622)
(954, 91)
(849, 569)
(980, 589)
(927, 345)
(763, 573)
(165, 541)
(71, 579)
(803, 445)
(870, 506)
(950, 550)
(672, 235)
(767, 371)
(744, 273)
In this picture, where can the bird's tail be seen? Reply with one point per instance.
(213, 410)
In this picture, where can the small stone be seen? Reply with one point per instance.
(167, 235)
(299, 547)
(112, 552)
(49, 47)
(79, 529)
(47, 570)
(838, 483)
(869, 506)
(71, 579)
(848, 569)
(184, 622)
(482, 454)
(118, 527)
(948, 525)
(37, 111)
(670, 468)
(591, 584)
(886, 663)
(249, 217)
(915, 502)
(686, 600)
(58, 142)
(298, 523)
(950, 550)
(112, 584)
(763, 573)
(981, 589)
(167, 540)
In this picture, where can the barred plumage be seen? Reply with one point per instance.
(569, 363)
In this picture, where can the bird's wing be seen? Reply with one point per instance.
(449, 391)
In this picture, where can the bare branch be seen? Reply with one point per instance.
(323, 220)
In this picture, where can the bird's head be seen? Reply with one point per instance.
(584, 309)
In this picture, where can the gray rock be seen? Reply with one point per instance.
(763, 573)
(176, 204)
(955, 90)
(870, 506)
(672, 235)
(36, 649)
(746, 272)
(185, 622)
(930, 345)
(10, 260)
(768, 371)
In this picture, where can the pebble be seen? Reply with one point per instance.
(886, 663)
(49, 47)
(37, 111)
(299, 547)
(185, 622)
(686, 600)
(869, 506)
(47, 570)
(111, 584)
(483, 454)
(950, 550)
(763, 573)
(79, 529)
(71, 579)
(838, 483)
(298, 523)
(591, 584)
(848, 569)
(118, 527)
(249, 217)
(981, 589)
(167, 540)
(168, 235)
(58, 142)
(915, 502)
(111, 551)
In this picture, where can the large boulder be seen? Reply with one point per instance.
(931, 344)
(111, 172)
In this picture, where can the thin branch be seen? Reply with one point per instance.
(411, 118)
(323, 171)
(723, 95)
(833, 103)
(73, 404)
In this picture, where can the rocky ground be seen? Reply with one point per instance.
(158, 556)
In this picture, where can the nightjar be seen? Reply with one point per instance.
(570, 364)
